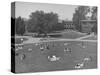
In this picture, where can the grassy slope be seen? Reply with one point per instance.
(69, 35)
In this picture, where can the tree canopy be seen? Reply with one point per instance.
(83, 13)
(94, 17)
(79, 15)
(19, 26)
(41, 22)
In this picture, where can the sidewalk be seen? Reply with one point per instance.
(36, 40)
(80, 38)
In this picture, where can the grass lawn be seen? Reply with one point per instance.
(37, 61)
(68, 35)
(18, 40)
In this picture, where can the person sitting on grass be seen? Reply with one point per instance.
(23, 56)
(22, 39)
(42, 48)
(16, 54)
(67, 50)
(83, 45)
(29, 49)
(65, 43)
(87, 59)
(54, 45)
(36, 44)
(47, 47)
(84, 61)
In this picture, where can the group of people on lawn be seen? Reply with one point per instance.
(45, 47)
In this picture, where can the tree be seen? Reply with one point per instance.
(94, 29)
(94, 13)
(94, 17)
(79, 15)
(41, 22)
(82, 13)
(19, 26)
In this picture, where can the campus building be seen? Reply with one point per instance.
(87, 25)
(69, 25)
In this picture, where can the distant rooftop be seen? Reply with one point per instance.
(88, 20)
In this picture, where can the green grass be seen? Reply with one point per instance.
(18, 40)
(36, 61)
(68, 35)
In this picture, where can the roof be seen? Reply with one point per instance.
(88, 20)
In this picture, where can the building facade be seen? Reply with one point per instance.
(87, 25)
(69, 25)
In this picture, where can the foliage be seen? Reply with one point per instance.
(83, 13)
(19, 26)
(79, 15)
(94, 17)
(41, 22)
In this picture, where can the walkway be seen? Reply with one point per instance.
(36, 40)
(80, 38)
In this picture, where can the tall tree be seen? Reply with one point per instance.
(19, 26)
(94, 17)
(41, 22)
(94, 13)
(79, 15)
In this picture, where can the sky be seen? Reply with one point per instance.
(24, 9)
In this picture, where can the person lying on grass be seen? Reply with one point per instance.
(54, 58)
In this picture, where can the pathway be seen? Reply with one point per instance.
(36, 40)
(80, 38)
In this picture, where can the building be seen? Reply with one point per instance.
(69, 25)
(87, 25)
